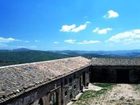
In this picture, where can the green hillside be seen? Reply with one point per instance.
(22, 55)
(9, 57)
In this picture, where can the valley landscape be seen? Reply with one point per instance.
(23, 55)
(106, 93)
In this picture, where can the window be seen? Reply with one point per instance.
(74, 76)
(70, 80)
(65, 81)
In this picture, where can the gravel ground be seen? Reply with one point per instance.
(120, 94)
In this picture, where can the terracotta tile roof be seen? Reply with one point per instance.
(116, 61)
(16, 79)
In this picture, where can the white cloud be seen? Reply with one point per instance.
(79, 28)
(102, 31)
(6, 40)
(70, 41)
(36, 41)
(74, 28)
(56, 42)
(111, 14)
(84, 42)
(132, 36)
(89, 42)
(67, 28)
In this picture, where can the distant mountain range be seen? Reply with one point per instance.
(23, 55)
(119, 53)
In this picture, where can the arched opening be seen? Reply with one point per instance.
(54, 98)
(71, 96)
(38, 102)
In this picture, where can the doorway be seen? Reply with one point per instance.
(84, 78)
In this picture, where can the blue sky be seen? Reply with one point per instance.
(70, 24)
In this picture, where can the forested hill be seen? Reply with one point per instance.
(17, 56)
(9, 57)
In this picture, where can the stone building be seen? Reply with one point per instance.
(115, 70)
(53, 82)
(56, 82)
